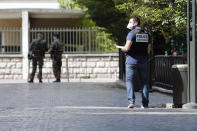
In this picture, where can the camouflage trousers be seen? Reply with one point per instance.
(37, 61)
(57, 64)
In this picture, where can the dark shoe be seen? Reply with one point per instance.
(144, 107)
(30, 81)
(57, 80)
(40, 81)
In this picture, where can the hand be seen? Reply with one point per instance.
(30, 56)
(51, 55)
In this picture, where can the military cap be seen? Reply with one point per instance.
(56, 35)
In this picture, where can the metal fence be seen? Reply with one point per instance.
(163, 69)
(122, 60)
(159, 72)
(122, 72)
(78, 40)
(10, 40)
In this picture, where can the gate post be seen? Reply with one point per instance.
(25, 43)
(192, 51)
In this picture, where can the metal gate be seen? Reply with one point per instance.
(77, 40)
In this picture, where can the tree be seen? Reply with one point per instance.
(167, 17)
(106, 15)
(163, 18)
(68, 4)
(87, 21)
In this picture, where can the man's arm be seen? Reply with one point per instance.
(127, 46)
(45, 46)
(51, 48)
(31, 46)
(149, 48)
(30, 54)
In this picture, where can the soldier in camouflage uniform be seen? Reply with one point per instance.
(37, 51)
(56, 50)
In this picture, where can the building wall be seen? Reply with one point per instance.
(11, 23)
(11, 67)
(79, 66)
(9, 4)
(55, 23)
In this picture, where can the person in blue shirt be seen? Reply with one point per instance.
(137, 48)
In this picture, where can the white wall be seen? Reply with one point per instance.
(44, 4)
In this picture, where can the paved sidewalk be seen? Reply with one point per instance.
(86, 107)
(2, 81)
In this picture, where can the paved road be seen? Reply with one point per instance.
(86, 107)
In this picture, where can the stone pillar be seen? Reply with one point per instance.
(25, 42)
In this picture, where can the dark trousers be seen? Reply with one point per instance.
(37, 61)
(57, 64)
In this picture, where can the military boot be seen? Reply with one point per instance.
(57, 80)
(31, 81)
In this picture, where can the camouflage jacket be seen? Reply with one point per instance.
(56, 48)
(38, 47)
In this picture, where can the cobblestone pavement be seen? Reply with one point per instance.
(86, 107)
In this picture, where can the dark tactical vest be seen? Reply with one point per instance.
(58, 48)
(39, 48)
(140, 43)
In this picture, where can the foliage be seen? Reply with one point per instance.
(109, 42)
(166, 16)
(105, 42)
(68, 4)
(163, 18)
(106, 15)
